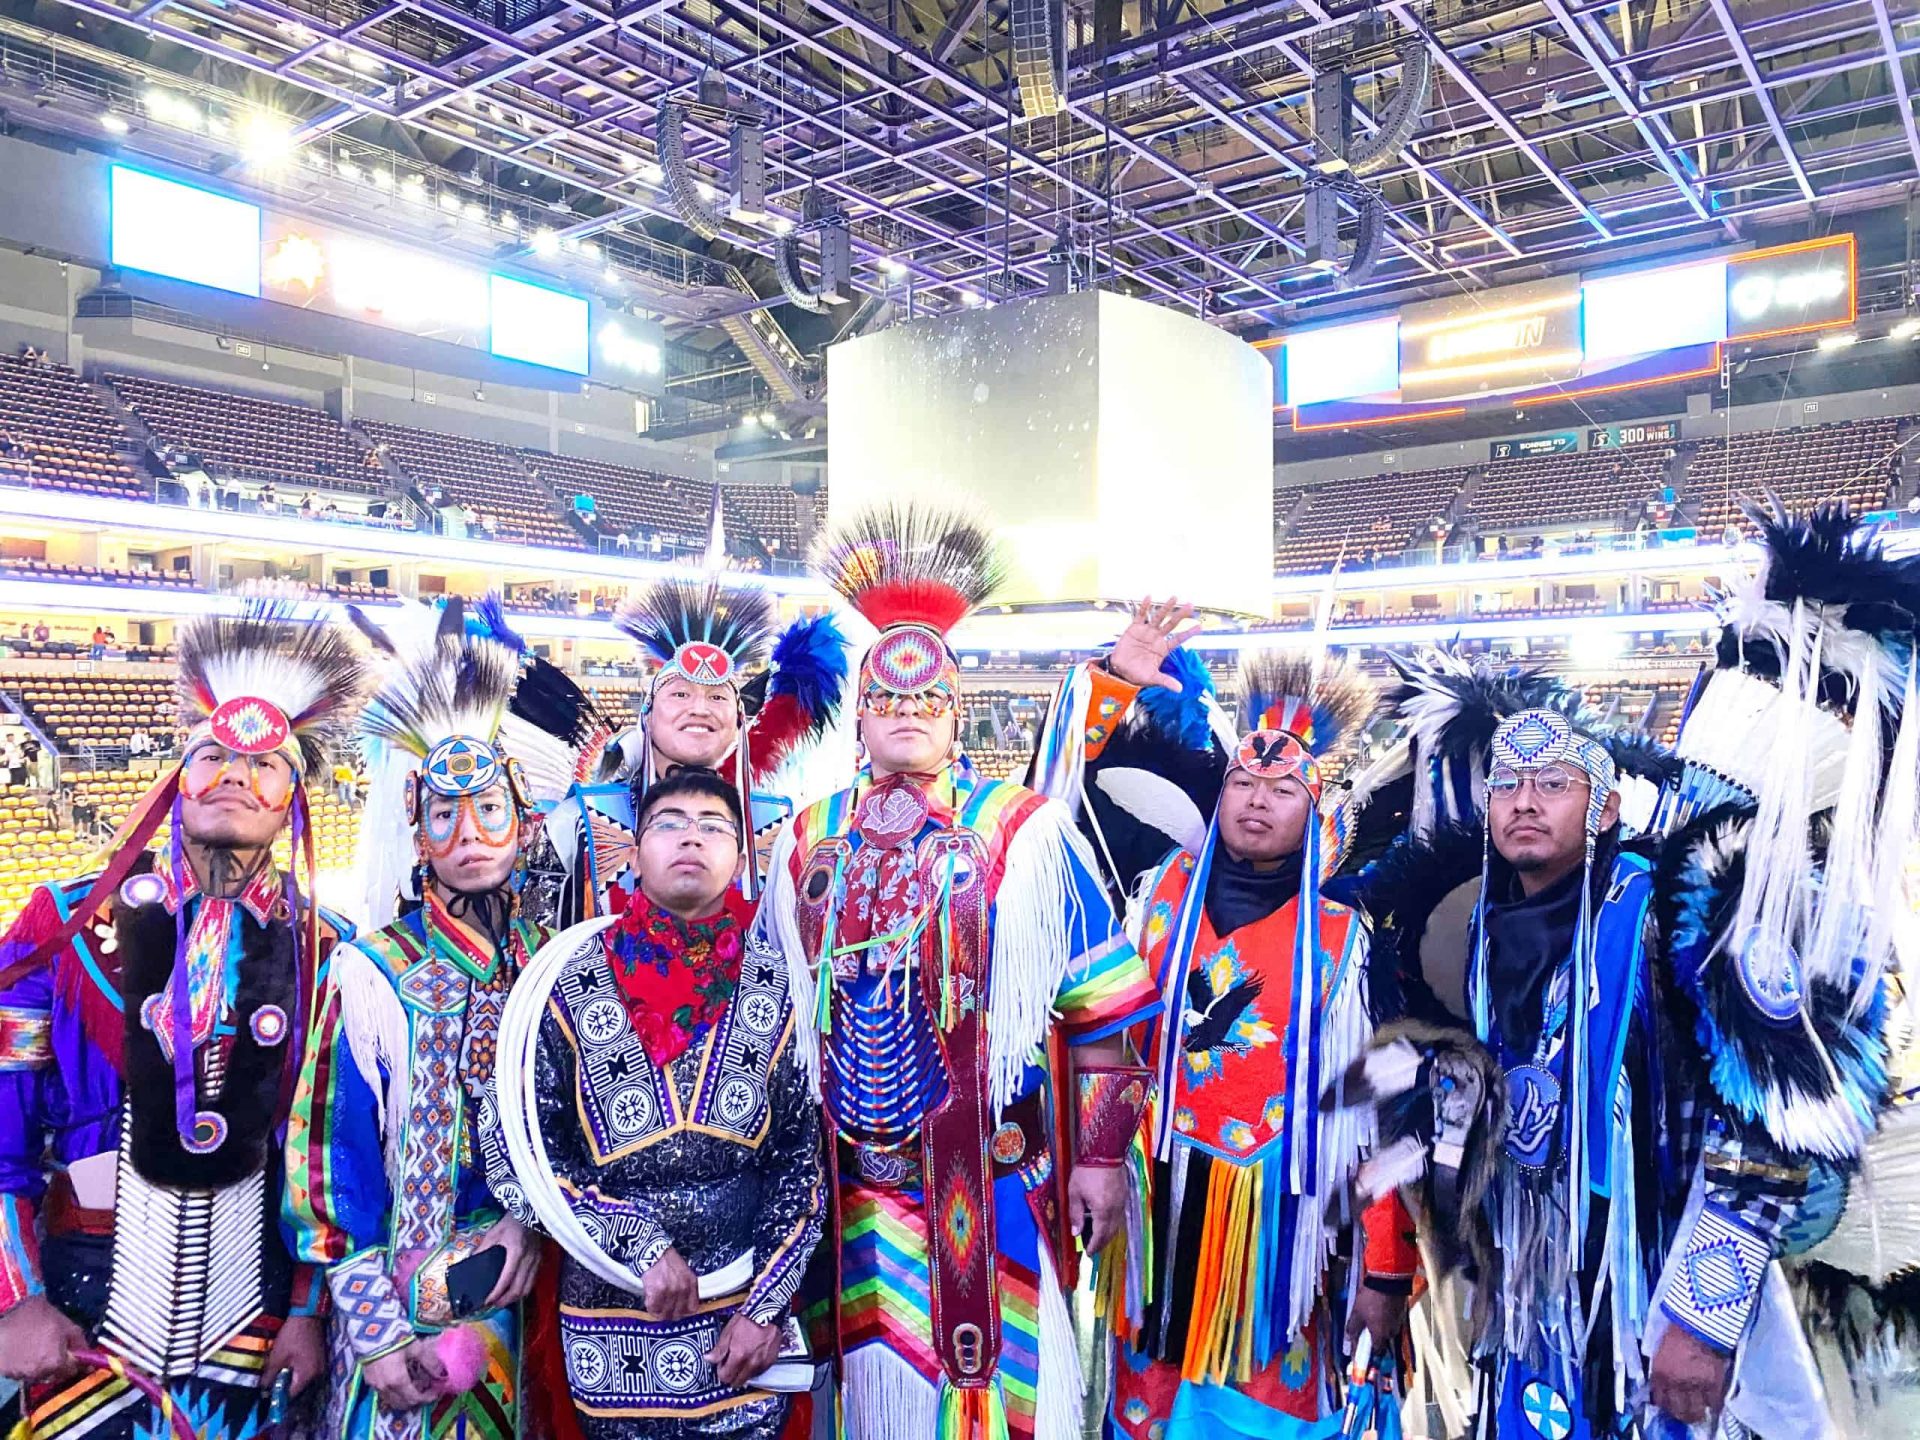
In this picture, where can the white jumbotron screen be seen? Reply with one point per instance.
(1118, 448)
(183, 232)
(539, 326)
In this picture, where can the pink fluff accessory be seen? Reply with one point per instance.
(463, 1353)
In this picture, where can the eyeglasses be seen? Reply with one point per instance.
(706, 827)
(269, 776)
(1550, 781)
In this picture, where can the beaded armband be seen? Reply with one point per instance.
(1113, 1099)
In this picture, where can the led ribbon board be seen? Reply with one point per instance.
(1507, 339)
(182, 232)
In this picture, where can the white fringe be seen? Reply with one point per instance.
(1346, 1029)
(378, 1034)
(885, 1398)
(776, 931)
(1062, 741)
(1848, 872)
(1060, 1394)
(1772, 904)
(1887, 907)
(1038, 929)
(546, 759)
(386, 848)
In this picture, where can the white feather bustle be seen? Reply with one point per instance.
(378, 1038)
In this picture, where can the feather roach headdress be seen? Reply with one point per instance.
(914, 574)
(459, 710)
(710, 635)
(259, 679)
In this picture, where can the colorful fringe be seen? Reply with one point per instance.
(971, 1414)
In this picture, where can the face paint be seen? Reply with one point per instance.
(495, 821)
(269, 775)
(937, 702)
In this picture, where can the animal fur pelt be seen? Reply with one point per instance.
(1421, 1080)
(1815, 1084)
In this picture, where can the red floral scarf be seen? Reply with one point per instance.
(676, 976)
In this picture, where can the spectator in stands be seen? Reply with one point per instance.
(9, 447)
(344, 782)
(41, 634)
(99, 649)
(491, 526)
(332, 512)
(268, 499)
(309, 504)
(13, 761)
(469, 517)
(623, 541)
(26, 631)
(139, 743)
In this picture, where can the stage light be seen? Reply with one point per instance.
(363, 63)
(629, 162)
(382, 179)
(174, 109)
(590, 251)
(546, 244)
(769, 419)
(652, 173)
(476, 211)
(414, 188)
(508, 221)
(450, 202)
(625, 351)
(611, 276)
(781, 225)
(1905, 330)
(113, 124)
(892, 267)
(1838, 342)
(349, 171)
(973, 297)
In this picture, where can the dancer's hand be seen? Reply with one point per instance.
(523, 1262)
(1098, 1194)
(37, 1342)
(744, 1349)
(1689, 1377)
(407, 1378)
(300, 1349)
(1154, 634)
(1378, 1313)
(670, 1288)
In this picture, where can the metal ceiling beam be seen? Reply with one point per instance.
(1765, 101)
(955, 30)
(1897, 73)
(1654, 132)
(1466, 82)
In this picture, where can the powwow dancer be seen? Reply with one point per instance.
(1732, 1030)
(656, 1124)
(949, 942)
(387, 1190)
(724, 694)
(1236, 1330)
(151, 1023)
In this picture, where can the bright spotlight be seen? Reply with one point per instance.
(973, 297)
(449, 202)
(382, 179)
(892, 267)
(1905, 330)
(546, 244)
(782, 225)
(113, 124)
(1838, 342)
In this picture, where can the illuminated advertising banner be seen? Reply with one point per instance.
(1648, 310)
(1561, 442)
(1341, 362)
(1506, 339)
(183, 232)
(1791, 289)
(1645, 432)
(176, 231)
(355, 277)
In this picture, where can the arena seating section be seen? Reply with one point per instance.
(73, 442)
(625, 499)
(770, 513)
(1846, 460)
(1596, 486)
(97, 710)
(1364, 513)
(246, 438)
(95, 574)
(490, 478)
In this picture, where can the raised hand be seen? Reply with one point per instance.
(1155, 633)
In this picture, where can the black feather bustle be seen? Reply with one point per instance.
(1399, 892)
(1638, 754)
(672, 613)
(1483, 697)
(547, 698)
